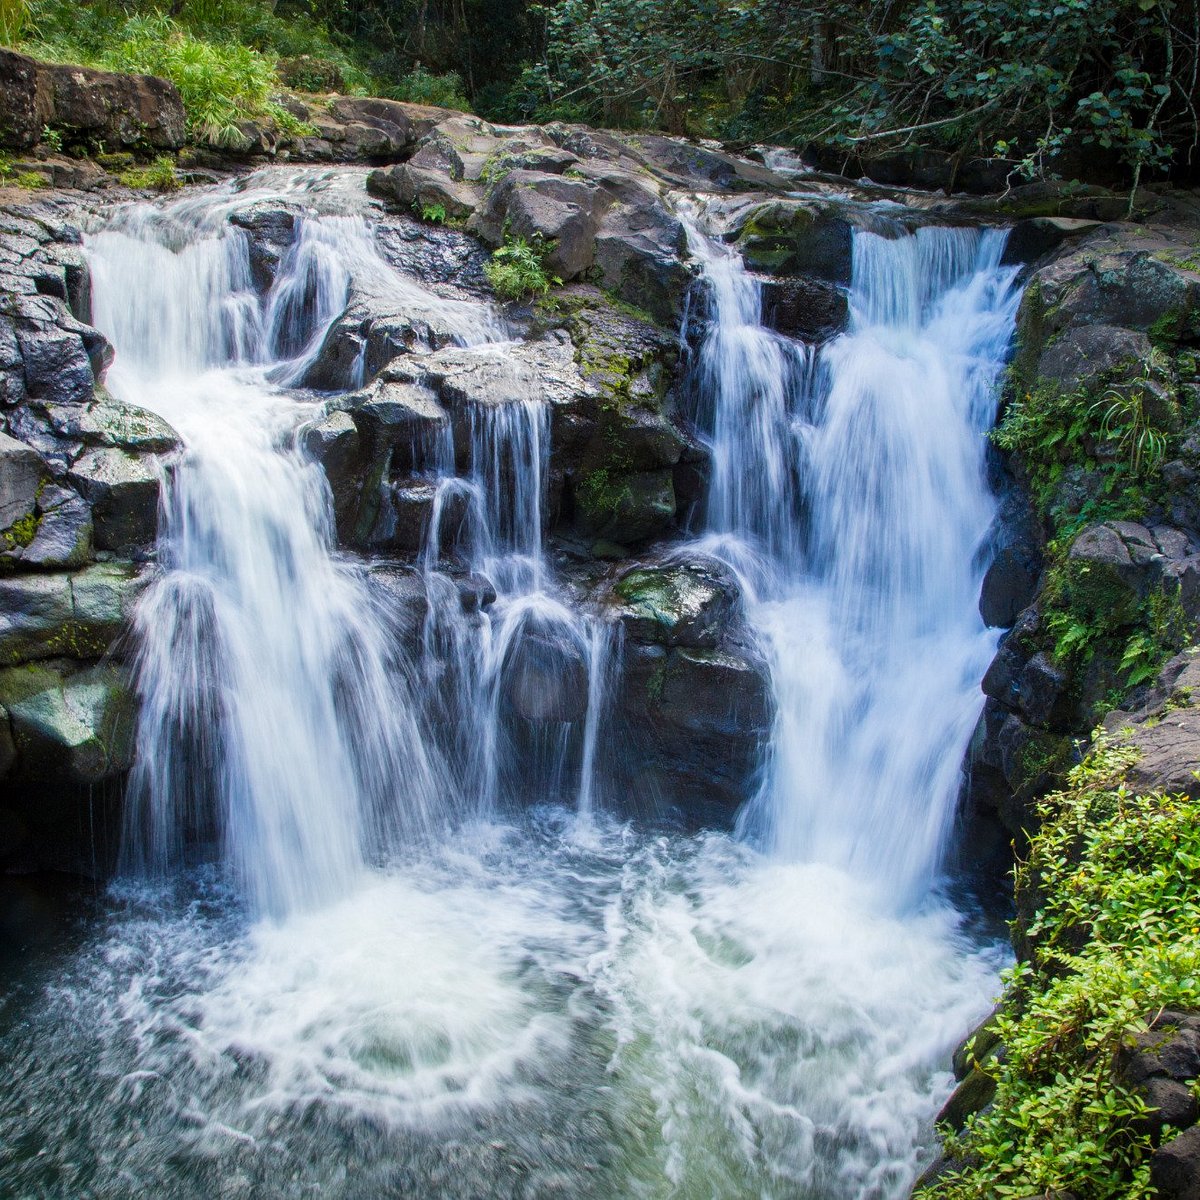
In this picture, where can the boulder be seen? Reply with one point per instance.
(546, 679)
(71, 728)
(270, 229)
(122, 489)
(81, 615)
(64, 536)
(626, 509)
(1086, 354)
(23, 474)
(119, 110)
(681, 603)
(804, 238)
(420, 188)
(813, 310)
(1175, 1167)
(563, 215)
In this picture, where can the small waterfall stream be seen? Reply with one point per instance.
(422, 958)
(849, 490)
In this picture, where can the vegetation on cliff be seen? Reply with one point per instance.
(1070, 87)
(1109, 925)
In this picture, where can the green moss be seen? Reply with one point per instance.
(1110, 903)
(22, 532)
(602, 491)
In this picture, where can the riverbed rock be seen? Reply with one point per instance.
(682, 603)
(799, 238)
(694, 706)
(71, 728)
(80, 614)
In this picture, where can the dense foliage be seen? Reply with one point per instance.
(1116, 939)
(1057, 86)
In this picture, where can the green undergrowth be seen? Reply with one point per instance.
(230, 59)
(1112, 886)
(517, 269)
(159, 176)
(1113, 439)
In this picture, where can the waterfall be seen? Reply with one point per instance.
(427, 959)
(276, 718)
(849, 489)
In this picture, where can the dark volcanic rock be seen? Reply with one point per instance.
(85, 104)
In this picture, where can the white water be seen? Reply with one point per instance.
(382, 997)
(861, 533)
(274, 714)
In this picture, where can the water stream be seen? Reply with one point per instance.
(370, 942)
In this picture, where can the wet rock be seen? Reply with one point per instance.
(70, 728)
(22, 475)
(973, 1094)
(810, 309)
(546, 680)
(677, 604)
(122, 489)
(1041, 691)
(796, 238)
(270, 230)
(398, 595)
(64, 535)
(1035, 237)
(627, 509)
(55, 354)
(111, 422)
(335, 443)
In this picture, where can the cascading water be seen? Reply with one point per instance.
(274, 714)
(432, 995)
(850, 491)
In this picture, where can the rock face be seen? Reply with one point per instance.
(79, 483)
(83, 104)
(593, 201)
(1106, 334)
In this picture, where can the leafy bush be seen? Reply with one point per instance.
(1115, 939)
(219, 53)
(421, 87)
(516, 270)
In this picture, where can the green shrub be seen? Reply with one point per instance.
(434, 214)
(516, 270)
(420, 86)
(159, 175)
(1115, 939)
(220, 54)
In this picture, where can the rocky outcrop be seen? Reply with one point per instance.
(695, 706)
(79, 491)
(1102, 399)
(595, 202)
(84, 106)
